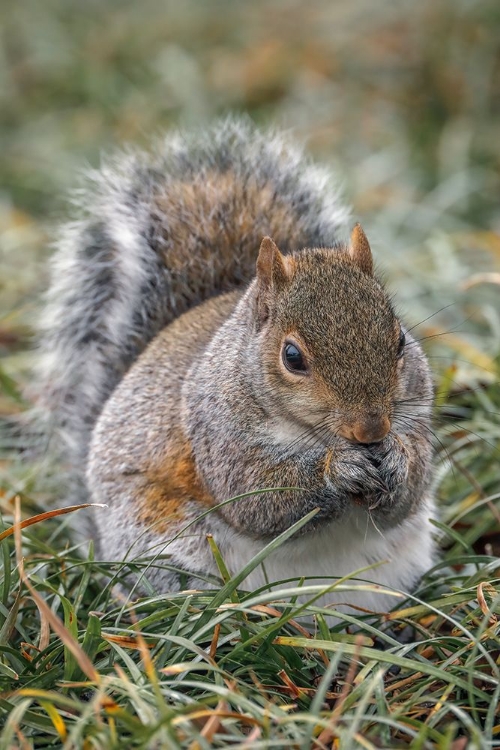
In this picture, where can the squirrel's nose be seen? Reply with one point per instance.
(372, 428)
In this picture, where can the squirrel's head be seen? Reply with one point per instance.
(331, 344)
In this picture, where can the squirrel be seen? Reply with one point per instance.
(207, 334)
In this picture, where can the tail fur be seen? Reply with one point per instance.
(155, 234)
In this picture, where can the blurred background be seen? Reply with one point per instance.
(401, 99)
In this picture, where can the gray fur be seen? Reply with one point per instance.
(111, 292)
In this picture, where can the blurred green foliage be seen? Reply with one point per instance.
(355, 77)
(401, 98)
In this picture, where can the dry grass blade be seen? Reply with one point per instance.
(57, 626)
(329, 734)
(213, 724)
(481, 278)
(482, 587)
(47, 514)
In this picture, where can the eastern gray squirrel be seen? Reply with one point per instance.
(183, 366)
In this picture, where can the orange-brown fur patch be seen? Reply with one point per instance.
(250, 210)
(170, 487)
(328, 461)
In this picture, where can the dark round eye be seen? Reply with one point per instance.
(293, 359)
(401, 345)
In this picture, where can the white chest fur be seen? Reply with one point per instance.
(399, 557)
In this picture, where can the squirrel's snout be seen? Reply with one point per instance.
(371, 428)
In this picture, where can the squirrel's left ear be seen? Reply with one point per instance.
(359, 250)
(274, 271)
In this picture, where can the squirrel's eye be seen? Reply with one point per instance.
(401, 345)
(293, 359)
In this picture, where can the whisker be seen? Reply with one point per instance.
(443, 333)
(374, 524)
(452, 304)
(409, 424)
(449, 453)
(457, 426)
(464, 391)
(309, 435)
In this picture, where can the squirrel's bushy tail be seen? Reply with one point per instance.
(153, 235)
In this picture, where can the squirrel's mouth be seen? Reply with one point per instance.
(371, 500)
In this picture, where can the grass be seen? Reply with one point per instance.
(225, 668)
(402, 99)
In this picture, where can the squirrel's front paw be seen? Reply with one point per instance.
(353, 471)
(392, 460)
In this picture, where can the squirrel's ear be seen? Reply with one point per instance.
(359, 250)
(274, 271)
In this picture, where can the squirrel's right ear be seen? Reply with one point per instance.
(360, 251)
(274, 271)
